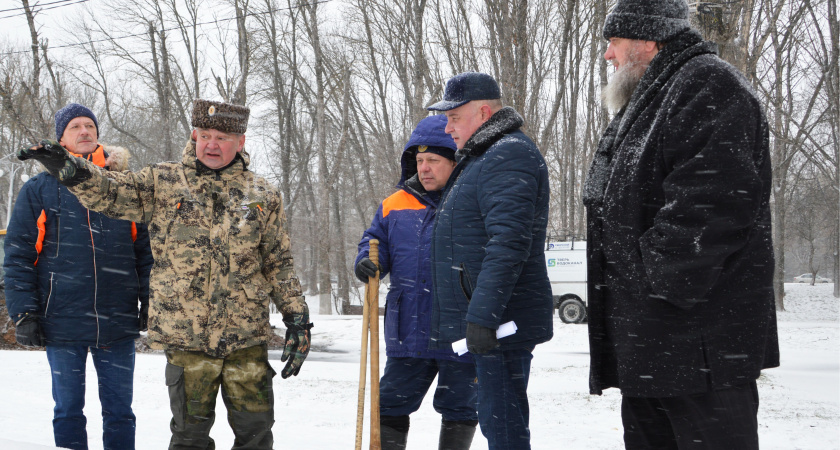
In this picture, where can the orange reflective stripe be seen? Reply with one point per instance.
(133, 232)
(42, 229)
(400, 201)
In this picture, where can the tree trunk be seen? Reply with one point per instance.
(324, 226)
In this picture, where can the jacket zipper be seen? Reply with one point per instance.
(95, 278)
(464, 274)
(49, 295)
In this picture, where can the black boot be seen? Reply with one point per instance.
(456, 435)
(394, 432)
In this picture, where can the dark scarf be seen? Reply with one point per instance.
(504, 121)
(663, 66)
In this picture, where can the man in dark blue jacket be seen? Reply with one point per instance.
(403, 226)
(488, 264)
(78, 282)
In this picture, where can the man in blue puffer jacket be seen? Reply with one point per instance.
(403, 226)
(488, 263)
(78, 282)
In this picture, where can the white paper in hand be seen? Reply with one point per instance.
(504, 330)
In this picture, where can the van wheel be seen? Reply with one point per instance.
(571, 310)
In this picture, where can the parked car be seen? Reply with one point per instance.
(806, 278)
(566, 264)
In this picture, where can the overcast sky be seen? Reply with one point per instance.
(50, 19)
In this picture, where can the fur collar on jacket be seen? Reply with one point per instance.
(116, 158)
(504, 121)
(189, 159)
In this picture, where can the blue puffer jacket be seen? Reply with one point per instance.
(489, 238)
(82, 273)
(403, 226)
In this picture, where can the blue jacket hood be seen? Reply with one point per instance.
(430, 131)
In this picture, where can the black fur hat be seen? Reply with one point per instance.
(647, 20)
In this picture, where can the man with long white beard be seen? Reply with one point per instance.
(682, 316)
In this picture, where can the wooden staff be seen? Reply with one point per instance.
(370, 311)
(373, 310)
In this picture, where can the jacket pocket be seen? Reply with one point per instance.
(465, 281)
(253, 309)
(177, 395)
(392, 316)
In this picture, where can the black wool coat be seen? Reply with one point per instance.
(679, 239)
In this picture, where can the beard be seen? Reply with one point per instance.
(618, 91)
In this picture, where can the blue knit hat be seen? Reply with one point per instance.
(70, 112)
(428, 137)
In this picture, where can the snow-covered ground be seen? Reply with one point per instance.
(800, 401)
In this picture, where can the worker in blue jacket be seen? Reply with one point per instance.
(403, 225)
(77, 282)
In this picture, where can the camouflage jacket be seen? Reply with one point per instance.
(220, 247)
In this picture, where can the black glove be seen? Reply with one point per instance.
(480, 339)
(28, 332)
(49, 153)
(144, 316)
(366, 269)
(298, 337)
(58, 162)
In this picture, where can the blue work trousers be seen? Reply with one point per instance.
(503, 399)
(115, 372)
(406, 381)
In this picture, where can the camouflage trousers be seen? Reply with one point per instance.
(194, 378)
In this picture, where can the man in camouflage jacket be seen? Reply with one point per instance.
(221, 254)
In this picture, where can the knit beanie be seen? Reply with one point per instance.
(446, 152)
(647, 20)
(70, 112)
(225, 117)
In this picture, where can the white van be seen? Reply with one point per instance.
(566, 262)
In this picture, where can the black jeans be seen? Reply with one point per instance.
(716, 420)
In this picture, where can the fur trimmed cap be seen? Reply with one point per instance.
(225, 117)
(70, 112)
(647, 20)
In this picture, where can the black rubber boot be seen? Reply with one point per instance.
(456, 435)
(394, 432)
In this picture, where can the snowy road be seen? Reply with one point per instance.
(800, 401)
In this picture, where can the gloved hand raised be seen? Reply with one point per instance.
(298, 337)
(49, 153)
(366, 269)
(28, 332)
(480, 339)
(58, 162)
